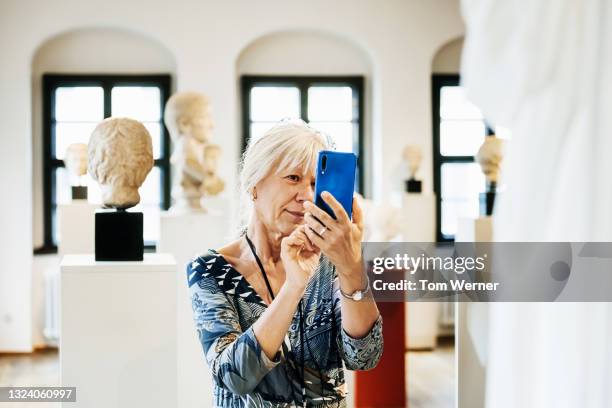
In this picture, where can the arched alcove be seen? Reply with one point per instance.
(303, 53)
(80, 51)
(447, 59)
(313, 53)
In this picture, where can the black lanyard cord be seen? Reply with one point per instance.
(263, 271)
(265, 276)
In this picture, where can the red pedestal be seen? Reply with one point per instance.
(385, 385)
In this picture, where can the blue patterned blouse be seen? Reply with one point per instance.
(225, 306)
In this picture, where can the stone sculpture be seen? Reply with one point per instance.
(490, 156)
(75, 160)
(413, 156)
(120, 157)
(194, 158)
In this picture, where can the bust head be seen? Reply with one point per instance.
(75, 159)
(489, 157)
(187, 114)
(120, 157)
(413, 156)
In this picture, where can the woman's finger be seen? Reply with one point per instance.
(357, 213)
(321, 216)
(314, 223)
(314, 237)
(338, 209)
(307, 243)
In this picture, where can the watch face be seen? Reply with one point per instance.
(357, 295)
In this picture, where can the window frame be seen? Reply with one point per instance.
(356, 83)
(437, 82)
(52, 81)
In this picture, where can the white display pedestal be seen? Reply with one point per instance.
(418, 217)
(76, 227)
(186, 235)
(473, 330)
(117, 343)
(76, 235)
(419, 225)
(474, 229)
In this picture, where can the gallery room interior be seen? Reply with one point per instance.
(471, 121)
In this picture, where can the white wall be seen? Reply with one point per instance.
(314, 53)
(206, 37)
(448, 58)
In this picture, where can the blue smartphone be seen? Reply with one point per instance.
(336, 175)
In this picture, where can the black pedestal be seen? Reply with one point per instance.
(119, 236)
(487, 202)
(79, 192)
(413, 186)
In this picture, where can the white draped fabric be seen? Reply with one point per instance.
(543, 68)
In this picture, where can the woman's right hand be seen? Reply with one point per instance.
(300, 258)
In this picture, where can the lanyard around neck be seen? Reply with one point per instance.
(263, 271)
(265, 276)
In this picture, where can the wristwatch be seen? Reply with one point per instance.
(358, 294)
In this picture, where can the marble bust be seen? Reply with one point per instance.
(413, 156)
(194, 158)
(120, 157)
(212, 184)
(489, 157)
(75, 159)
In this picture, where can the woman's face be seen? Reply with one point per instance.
(280, 198)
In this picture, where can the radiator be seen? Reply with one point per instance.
(52, 306)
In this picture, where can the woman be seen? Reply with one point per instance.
(276, 310)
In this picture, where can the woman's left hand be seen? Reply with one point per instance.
(339, 239)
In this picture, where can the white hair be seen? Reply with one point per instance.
(288, 145)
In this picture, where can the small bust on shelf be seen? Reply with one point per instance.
(490, 156)
(120, 157)
(195, 159)
(75, 160)
(413, 156)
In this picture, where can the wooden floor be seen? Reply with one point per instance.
(431, 377)
(430, 383)
(39, 369)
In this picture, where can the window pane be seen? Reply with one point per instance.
(154, 129)
(273, 103)
(63, 192)
(462, 180)
(150, 199)
(150, 229)
(94, 195)
(453, 209)
(455, 105)
(150, 189)
(79, 103)
(340, 132)
(259, 128)
(461, 138)
(68, 133)
(333, 103)
(137, 102)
